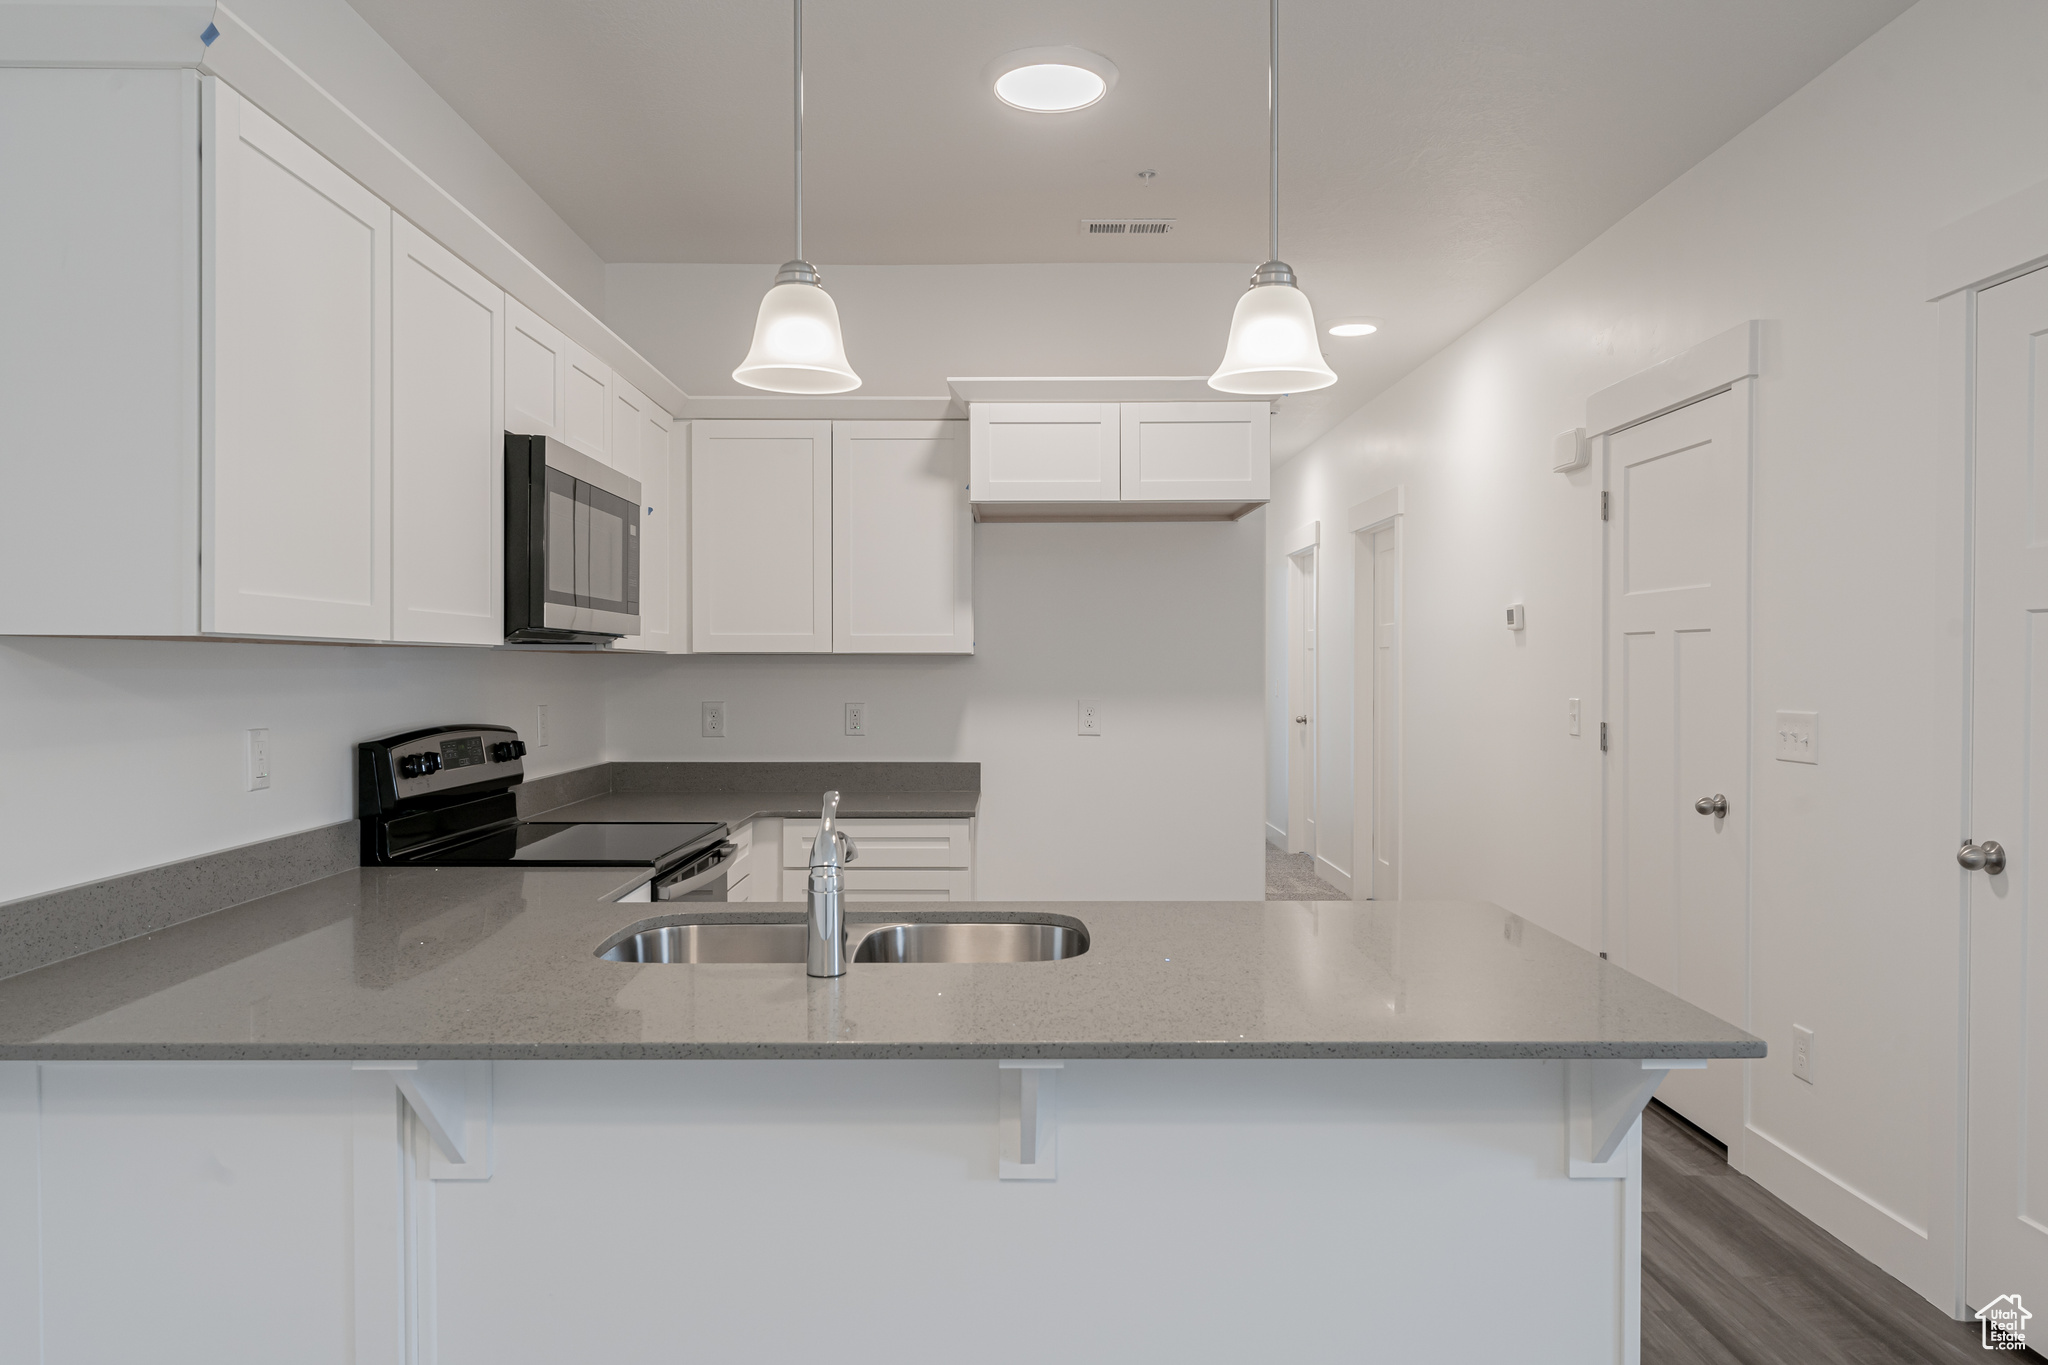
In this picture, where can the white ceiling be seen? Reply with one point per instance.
(1437, 155)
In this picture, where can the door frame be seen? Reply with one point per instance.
(1363, 522)
(1981, 251)
(1726, 362)
(1303, 545)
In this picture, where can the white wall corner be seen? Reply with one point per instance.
(1690, 375)
(1993, 244)
(1304, 537)
(1381, 507)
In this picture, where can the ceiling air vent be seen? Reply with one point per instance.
(1126, 227)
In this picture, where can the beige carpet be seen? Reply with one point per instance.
(1292, 877)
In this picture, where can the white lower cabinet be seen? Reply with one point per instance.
(899, 860)
(447, 447)
(295, 406)
(848, 537)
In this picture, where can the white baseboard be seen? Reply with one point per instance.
(1881, 1235)
(1276, 837)
(1333, 874)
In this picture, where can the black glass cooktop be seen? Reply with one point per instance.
(540, 844)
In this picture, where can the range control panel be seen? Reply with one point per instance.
(428, 762)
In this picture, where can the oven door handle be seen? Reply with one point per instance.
(720, 857)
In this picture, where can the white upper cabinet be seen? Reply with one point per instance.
(1045, 452)
(641, 450)
(295, 408)
(1197, 452)
(447, 446)
(587, 404)
(536, 366)
(761, 537)
(902, 539)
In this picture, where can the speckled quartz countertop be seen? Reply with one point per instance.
(736, 807)
(404, 963)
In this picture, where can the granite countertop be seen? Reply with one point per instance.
(398, 963)
(735, 808)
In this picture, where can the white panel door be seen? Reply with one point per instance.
(1044, 452)
(1376, 716)
(1301, 702)
(902, 539)
(447, 446)
(1677, 707)
(640, 449)
(295, 436)
(2008, 1127)
(536, 361)
(1197, 452)
(761, 537)
(587, 403)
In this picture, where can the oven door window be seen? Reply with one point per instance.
(608, 535)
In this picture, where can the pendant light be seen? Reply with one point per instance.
(1273, 346)
(797, 347)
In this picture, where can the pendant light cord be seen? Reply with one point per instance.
(800, 130)
(1273, 119)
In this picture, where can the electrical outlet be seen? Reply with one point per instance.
(1571, 711)
(540, 727)
(1799, 737)
(259, 760)
(1089, 717)
(1802, 1053)
(714, 720)
(857, 718)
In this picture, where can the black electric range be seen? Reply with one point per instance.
(444, 798)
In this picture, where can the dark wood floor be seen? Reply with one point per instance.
(1732, 1276)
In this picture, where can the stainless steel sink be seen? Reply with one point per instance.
(971, 943)
(709, 943)
(948, 942)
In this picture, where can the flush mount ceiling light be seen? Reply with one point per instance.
(1273, 346)
(1355, 327)
(797, 346)
(1050, 80)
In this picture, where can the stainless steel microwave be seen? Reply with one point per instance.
(572, 545)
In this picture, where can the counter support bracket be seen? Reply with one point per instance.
(1027, 1136)
(1604, 1097)
(453, 1103)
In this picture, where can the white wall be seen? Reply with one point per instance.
(335, 46)
(1160, 623)
(121, 754)
(1816, 219)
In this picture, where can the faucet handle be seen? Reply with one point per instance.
(849, 850)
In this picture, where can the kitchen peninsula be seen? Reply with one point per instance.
(406, 1113)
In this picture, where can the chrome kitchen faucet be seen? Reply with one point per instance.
(825, 953)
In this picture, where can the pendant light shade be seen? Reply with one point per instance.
(797, 346)
(1274, 347)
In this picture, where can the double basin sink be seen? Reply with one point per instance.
(896, 942)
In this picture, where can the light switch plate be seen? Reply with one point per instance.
(259, 760)
(856, 718)
(1088, 717)
(540, 727)
(1802, 1053)
(1572, 713)
(714, 720)
(1799, 736)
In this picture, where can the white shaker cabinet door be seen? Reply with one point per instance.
(761, 537)
(536, 363)
(587, 403)
(640, 450)
(295, 409)
(1044, 452)
(902, 539)
(1197, 452)
(447, 446)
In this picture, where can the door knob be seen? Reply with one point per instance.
(1301, 720)
(1715, 805)
(1988, 856)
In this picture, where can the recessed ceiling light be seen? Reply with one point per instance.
(1355, 327)
(1050, 80)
